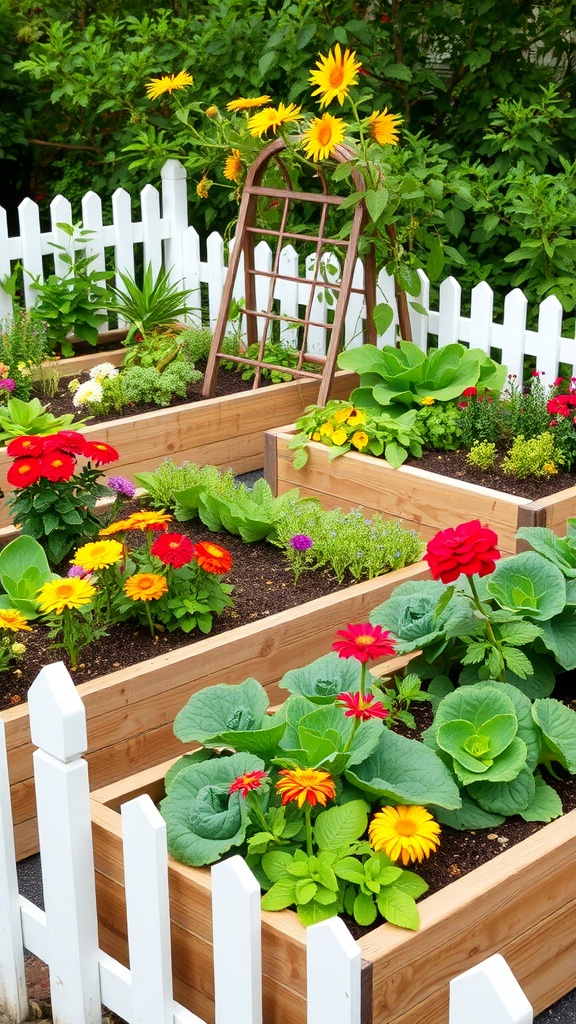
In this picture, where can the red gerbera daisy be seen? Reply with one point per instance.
(213, 558)
(57, 465)
(361, 706)
(70, 441)
(27, 444)
(250, 780)
(364, 642)
(23, 472)
(100, 452)
(174, 549)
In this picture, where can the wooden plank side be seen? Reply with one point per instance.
(557, 508)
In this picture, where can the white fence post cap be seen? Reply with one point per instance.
(488, 992)
(57, 717)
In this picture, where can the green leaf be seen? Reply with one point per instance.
(558, 636)
(222, 708)
(365, 912)
(545, 805)
(454, 220)
(557, 724)
(281, 895)
(376, 202)
(528, 584)
(399, 908)
(383, 315)
(339, 826)
(505, 798)
(405, 771)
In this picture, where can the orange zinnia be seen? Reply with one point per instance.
(213, 558)
(305, 784)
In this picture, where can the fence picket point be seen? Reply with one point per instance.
(237, 943)
(333, 966)
(13, 993)
(488, 992)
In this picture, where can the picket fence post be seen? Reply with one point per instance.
(333, 970)
(490, 993)
(13, 994)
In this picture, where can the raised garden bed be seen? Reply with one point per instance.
(130, 712)
(520, 904)
(426, 501)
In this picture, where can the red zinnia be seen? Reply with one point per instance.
(364, 642)
(57, 465)
(361, 707)
(23, 472)
(470, 549)
(174, 549)
(100, 452)
(250, 780)
(27, 444)
(67, 441)
(213, 558)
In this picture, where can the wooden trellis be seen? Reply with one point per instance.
(317, 240)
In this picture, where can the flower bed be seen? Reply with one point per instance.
(426, 501)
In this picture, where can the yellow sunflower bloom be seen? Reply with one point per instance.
(339, 436)
(233, 166)
(247, 104)
(334, 75)
(272, 117)
(13, 620)
(145, 586)
(359, 439)
(322, 136)
(341, 415)
(404, 833)
(203, 187)
(167, 83)
(383, 127)
(98, 554)
(56, 595)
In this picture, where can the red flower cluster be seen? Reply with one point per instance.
(174, 549)
(53, 457)
(469, 548)
(562, 405)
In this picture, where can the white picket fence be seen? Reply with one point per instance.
(168, 240)
(65, 934)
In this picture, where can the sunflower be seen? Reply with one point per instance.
(12, 619)
(247, 104)
(57, 595)
(233, 166)
(272, 118)
(383, 127)
(404, 833)
(167, 83)
(98, 554)
(305, 785)
(145, 586)
(334, 75)
(322, 136)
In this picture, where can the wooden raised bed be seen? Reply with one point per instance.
(522, 904)
(424, 501)
(130, 712)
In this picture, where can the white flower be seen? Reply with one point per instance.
(103, 371)
(89, 393)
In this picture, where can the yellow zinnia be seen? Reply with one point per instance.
(334, 75)
(404, 833)
(247, 104)
(147, 521)
(59, 594)
(322, 136)
(120, 526)
(339, 436)
(272, 117)
(98, 554)
(167, 83)
(359, 439)
(233, 166)
(145, 586)
(383, 127)
(12, 619)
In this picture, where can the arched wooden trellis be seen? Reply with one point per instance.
(321, 243)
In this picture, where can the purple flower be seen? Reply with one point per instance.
(301, 542)
(76, 570)
(122, 486)
(7, 384)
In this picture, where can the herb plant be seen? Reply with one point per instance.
(159, 303)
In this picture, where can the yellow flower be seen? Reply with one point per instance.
(316, 435)
(98, 554)
(59, 594)
(247, 104)
(334, 75)
(18, 649)
(120, 526)
(211, 111)
(549, 468)
(327, 429)
(146, 521)
(12, 619)
(233, 166)
(305, 784)
(167, 83)
(145, 586)
(203, 187)
(272, 118)
(428, 400)
(359, 439)
(322, 136)
(341, 415)
(383, 127)
(339, 436)
(356, 417)
(406, 833)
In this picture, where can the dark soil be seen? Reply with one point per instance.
(455, 466)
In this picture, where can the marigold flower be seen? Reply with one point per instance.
(147, 521)
(364, 642)
(12, 619)
(334, 75)
(272, 118)
(167, 83)
(250, 780)
(213, 558)
(247, 104)
(100, 452)
(57, 466)
(145, 586)
(383, 127)
(23, 472)
(469, 548)
(173, 549)
(73, 592)
(361, 706)
(404, 833)
(203, 187)
(305, 784)
(98, 554)
(322, 136)
(28, 444)
(359, 439)
(233, 166)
